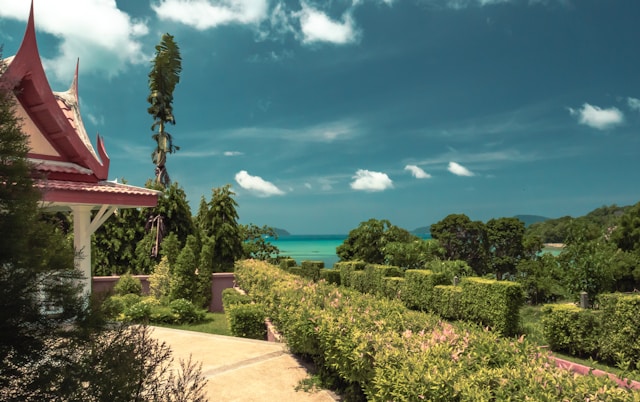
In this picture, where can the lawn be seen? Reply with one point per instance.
(214, 323)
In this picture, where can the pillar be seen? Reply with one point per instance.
(82, 243)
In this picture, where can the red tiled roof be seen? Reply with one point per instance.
(104, 192)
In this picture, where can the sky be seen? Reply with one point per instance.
(324, 114)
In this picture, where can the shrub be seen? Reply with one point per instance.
(374, 275)
(450, 269)
(231, 296)
(295, 270)
(140, 311)
(346, 267)
(330, 275)
(311, 269)
(287, 263)
(114, 306)
(160, 280)
(392, 287)
(570, 329)
(495, 304)
(185, 311)
(419, 284)
(127, 284)
(620, 340)
(247, 321)
(446, 301)
(376, 348)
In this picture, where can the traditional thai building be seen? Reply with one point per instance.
(67, 169)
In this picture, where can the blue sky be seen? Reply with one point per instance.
(323, 114)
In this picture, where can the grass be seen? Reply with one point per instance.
(214, 323)
(532, 327)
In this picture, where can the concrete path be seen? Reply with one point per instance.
(239, 369)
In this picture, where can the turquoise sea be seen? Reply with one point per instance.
(310, 247)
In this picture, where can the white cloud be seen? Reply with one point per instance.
(596, 117)
(417, 172)
(102, 36)
(257, 185)
(232, 153)
(205, 14)
(459, 170)
(634, 104)
(366, 180)
(318, 27)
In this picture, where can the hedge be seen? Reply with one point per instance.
(570, 329)
(311, 269)
(247, 320)
(330, 275)
(373, 276)
(377, 349)
(392, 287)
(346, 267)
(446, 302)
(419, 284)
(287, 263)
(620, 329)
(231, 296)
(492, 303)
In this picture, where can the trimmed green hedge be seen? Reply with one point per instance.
(570, 329)
(311, 269)
(231, 296)
(392, 287)
(492, 303)
(419, 284)
(346, 267)
(247, 320)
(373, 277)
(287, 263)
(620, 329)
(446, 301)
(376, 349)
(330, 275)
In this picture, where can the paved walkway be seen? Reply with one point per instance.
(239, 369)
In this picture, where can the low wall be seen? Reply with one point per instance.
(219, 282)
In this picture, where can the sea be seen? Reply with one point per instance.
(323, 247)
(311, 247)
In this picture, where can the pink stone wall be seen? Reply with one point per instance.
(219, 282)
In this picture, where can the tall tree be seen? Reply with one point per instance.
(221, 226)
(368, 241)
(463, 239)
(506, 245)
(163, 78)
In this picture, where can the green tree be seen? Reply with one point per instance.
(184, 280)
(411, 255)
(367, 242)
(506, 245)
(542, 279)
(220, 224)
(255, 243)
(163, 78)
(627, 233)
(463, 239)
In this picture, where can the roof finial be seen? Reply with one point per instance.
(74, 84)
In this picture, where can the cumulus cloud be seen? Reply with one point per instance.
(316, 26)
(257, 185)
(205, 14)
(596, 117)
(105, 38)
(366, 180)
(417, 172)
(459, 170)
(634, 103)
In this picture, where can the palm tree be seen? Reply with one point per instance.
(163, 78)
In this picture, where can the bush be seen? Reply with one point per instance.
(446, 301)
(492, 303)
(346, 267)
(311, 269)
(185, 311)
(374, 275)
(419, 284)
(231, 296)
(127, 284)
(160, 280)
(378, 350)
(570, 329)
(114, 306)
(140, 311)
(287, 263)
(620, 340)
(392, 287)
(247, 321)
(330, 275)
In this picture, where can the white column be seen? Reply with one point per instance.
(82, 243)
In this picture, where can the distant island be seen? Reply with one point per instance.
(527, 219)
(281, 232)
